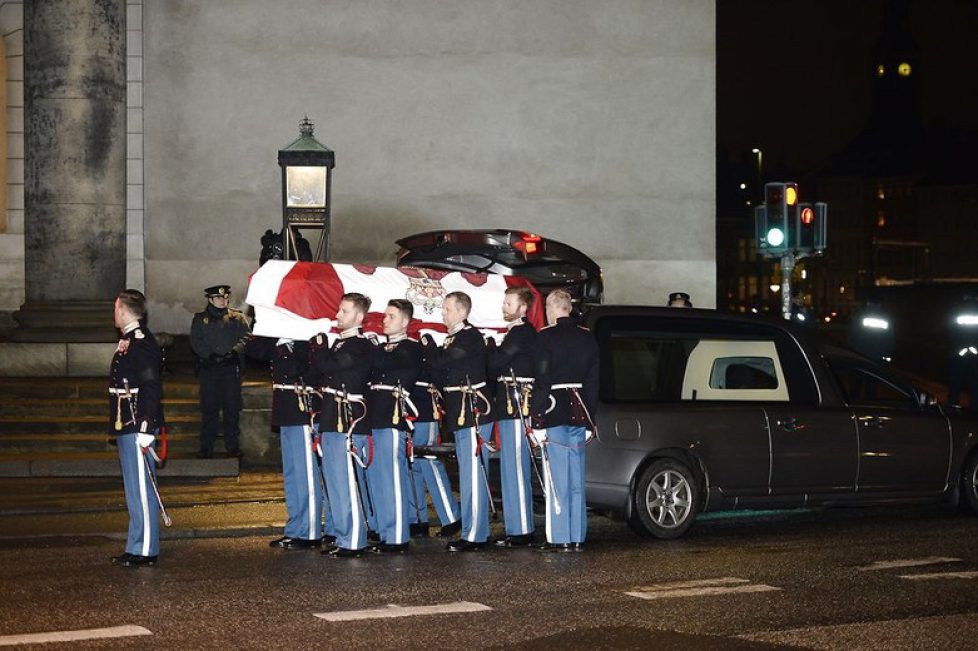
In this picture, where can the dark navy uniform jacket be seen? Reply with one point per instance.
(567, 353)
(290, 364)
(344, 366)
(137, 363)
(459, 362)
(215, 333)
(517, 354)
(395, 364)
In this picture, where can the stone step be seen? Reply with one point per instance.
(12, 443)
(79, 424)
(106, 464)
(62, 388)
(37, 409)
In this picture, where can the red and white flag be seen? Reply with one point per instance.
(298, 300)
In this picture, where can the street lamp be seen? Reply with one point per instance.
(760, 172)
(307, 167)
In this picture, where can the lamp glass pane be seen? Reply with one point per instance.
(305, 187)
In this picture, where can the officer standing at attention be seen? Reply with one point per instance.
(218, 336)
(428, 472)
(303, 493)
(135, 391)
(511, 364)
(343, 371)
(565, 395)
(391, 410)
(460, 369)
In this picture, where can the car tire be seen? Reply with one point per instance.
(968, 500)
(666, 500)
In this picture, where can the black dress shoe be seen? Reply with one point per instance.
(390, 548)
(340, 552)
(302, 543)
(419, 530)
(555, 547)
(280, 542)
(451, 529)
(463, 545)
(133, 560)
(524, 540)
(577, 547)
(373, 537)
(328, 540)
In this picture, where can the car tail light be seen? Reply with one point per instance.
(527, 243)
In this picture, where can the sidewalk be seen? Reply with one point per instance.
(251, 504)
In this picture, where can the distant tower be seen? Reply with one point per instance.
(896, 73)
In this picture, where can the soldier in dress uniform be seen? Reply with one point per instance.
(343, 371)
(391, 412)
(565, 395)
(290, 413)
(512, 365)
(135, 392)
(459, 367)
(428, 472)
(218, 337)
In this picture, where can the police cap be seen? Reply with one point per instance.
(679, 298)
(218, 290)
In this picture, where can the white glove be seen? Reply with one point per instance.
(539, 436)
(588, 435)
(145, 440)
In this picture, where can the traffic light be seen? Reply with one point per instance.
(805, 227)
(780, 204)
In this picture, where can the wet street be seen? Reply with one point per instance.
(847, 579)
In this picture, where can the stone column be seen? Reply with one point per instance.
(75, 168)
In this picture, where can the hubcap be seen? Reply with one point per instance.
(669, 499)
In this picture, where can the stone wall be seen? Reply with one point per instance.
(589, 122)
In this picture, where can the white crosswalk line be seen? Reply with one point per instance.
(908, 562)
(940, 575)
(393, 610)
(74, 636)
(699, 588)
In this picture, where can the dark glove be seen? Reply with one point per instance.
(230, 357)
(427, 340)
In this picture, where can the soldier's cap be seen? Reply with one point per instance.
(218, 290)
(677, 297)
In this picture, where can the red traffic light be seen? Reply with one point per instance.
(807, 216)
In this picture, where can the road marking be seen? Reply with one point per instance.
(941, 575)
(908, 562)
(74, 636)
(393, 610)
(699, 588)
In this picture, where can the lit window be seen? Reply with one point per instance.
(880, 192)
(881, 219)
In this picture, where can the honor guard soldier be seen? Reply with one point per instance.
(135, 391)
(512, 364)
(460, 369)
(344, 370)
(428, 472)
(290, 413)
(218, 337)
(679, 299)
(391, 413)
(564, 399)
(963, 374)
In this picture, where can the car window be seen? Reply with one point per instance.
(865, 385)
(644, 368)
(727, 369)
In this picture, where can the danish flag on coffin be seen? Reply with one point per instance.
(298, 300)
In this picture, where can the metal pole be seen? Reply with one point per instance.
(787, 268)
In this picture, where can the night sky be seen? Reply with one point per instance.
(794, 76)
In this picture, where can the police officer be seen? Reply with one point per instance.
(218, 336)
(679, 299)
(344, 370)
(135, 391)
(565, 396)
(963, 375)
(511, 364)
(460, 369)
(290, 413)
(391, 410)
(427, 471)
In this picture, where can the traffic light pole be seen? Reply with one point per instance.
(787, 268)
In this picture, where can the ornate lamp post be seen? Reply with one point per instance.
(307, 167)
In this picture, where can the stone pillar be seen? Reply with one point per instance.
(75, 168)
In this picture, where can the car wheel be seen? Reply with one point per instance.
(666, 500)
(969, 484)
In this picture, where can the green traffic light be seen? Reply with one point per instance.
(775, 237)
